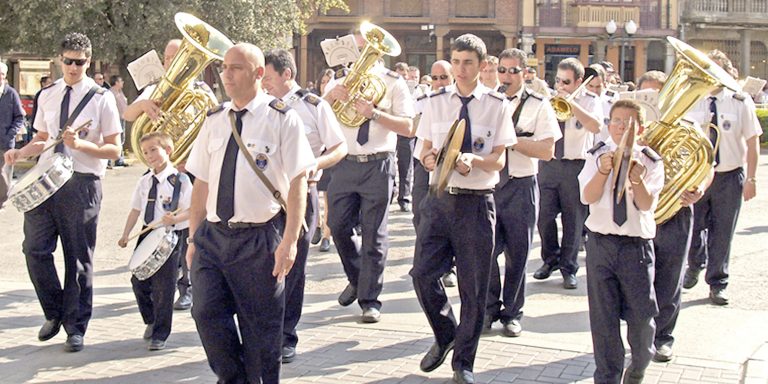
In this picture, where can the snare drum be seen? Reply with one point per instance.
(41, 182)
(152, 253)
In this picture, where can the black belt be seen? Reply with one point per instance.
(84, 175)
(367, 158)
(462, 191)
(231, 225)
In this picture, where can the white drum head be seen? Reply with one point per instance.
(146, 247)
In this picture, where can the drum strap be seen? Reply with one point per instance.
(88, 96)
(179, 177)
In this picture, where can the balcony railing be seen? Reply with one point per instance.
(596, 14)
(728, 12)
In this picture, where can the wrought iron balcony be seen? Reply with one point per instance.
(726, 12)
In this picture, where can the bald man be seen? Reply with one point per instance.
(244, 239)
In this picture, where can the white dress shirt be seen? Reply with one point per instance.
(639, 223)
(737, 122)
(536, 117)
(397, 101)
(275, 140)
(101, 110)
(164, 194)
(490, 116)
(320, 125)
(578, 140)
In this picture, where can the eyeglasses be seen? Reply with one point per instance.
(621, 122)
(512, 70)
(78, 62)
(441, 77)
(564, 81)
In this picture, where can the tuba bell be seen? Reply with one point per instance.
(687, 153)
(361, 83)
(183, 108)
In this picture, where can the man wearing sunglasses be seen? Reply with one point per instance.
(559, 184)
(516, 194)
(72, 213)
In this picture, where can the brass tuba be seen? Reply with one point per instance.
(688, 154)
(361, 83)
(183, 109)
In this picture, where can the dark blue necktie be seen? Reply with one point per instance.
(63, 117)
(712, 132)
(466, 144)
(149, 211)
(620, 209)
(560, 144)
(225, 198)
(362, 133)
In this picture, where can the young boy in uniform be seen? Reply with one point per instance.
(158, 195)
(620, 257)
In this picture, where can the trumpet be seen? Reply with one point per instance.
(562, 105)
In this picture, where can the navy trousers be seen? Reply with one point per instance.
(405, 166)
(360, 193)
(673, 239)
(620, 286)
(154, 296)
(294, 282)
(714, 224)
(516, 206)
(461, 225)
(71, 214)
(559, 192)
(420, 189)
(232, 271)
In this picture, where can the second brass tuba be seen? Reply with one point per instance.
(687, 153)
(183, 108)
(360, 82)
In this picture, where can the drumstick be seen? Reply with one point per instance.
(152, 225)
(60, 139)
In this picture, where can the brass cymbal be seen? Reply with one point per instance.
(446, 158)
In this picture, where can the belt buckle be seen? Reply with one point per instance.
(452, 190)
(362, 158)
(230, 225)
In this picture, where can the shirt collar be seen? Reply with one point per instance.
(261, 98)
(83, 85)
(478, 92)
(295, 88)
(169, 170)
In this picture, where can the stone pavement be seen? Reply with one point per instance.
(714, 344)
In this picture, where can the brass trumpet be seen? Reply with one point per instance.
(562, 105)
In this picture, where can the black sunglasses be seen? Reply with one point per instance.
(512, 70)
(78, 62)
(441, 77)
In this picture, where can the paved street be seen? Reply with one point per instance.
(714, 344)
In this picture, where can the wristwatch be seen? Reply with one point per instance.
(375, 115)
(190, 240)
(752, 180)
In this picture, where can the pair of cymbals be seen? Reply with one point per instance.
(446, 158)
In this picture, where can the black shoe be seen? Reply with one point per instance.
(317, 236)
(371, 315)
(289, 353)
(633, 377)
(462, 376)
(569, 281)
(325, 245)
(545, 271)
(74, 343)
(183, 302)
(435, 356)
(663, 354)
(148, 331)
(691, 278)
(405, 207)
(348, 296)
(49, 329)
(718, 296)
(156, 345)
(512, 329)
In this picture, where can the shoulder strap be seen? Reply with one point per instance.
(275, 193)
(518, 111)
(176, 190)
(79, 108)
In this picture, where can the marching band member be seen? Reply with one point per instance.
(157, 195)
(328, 147)
(244, 244)
(558, 178)
(718, 210)
(620, 255)
(516, 193)
(466, 207)
(72, 213)
(362, 184)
